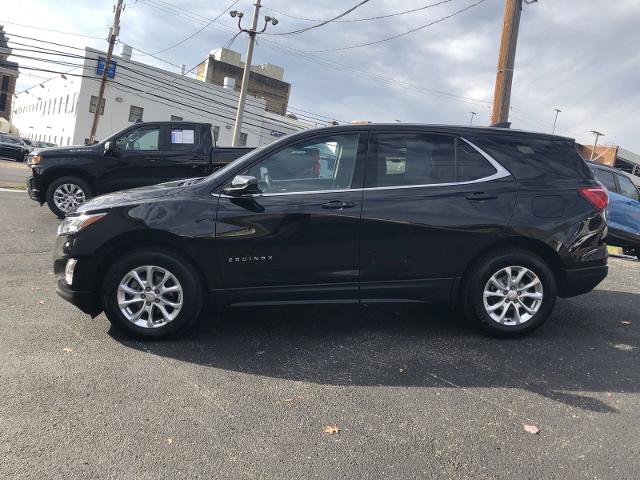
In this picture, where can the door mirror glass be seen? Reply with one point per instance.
(242, 184)
(109, 147)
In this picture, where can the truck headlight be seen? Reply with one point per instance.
(33, 159)
(76, 223)
(69, 269)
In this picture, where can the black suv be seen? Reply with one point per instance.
(498, 222)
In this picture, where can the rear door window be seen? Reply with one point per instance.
(606, 178)
(407, 159)
(183, 138)
(404, 159)
(627, 188)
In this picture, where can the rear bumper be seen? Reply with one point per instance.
(581, 280)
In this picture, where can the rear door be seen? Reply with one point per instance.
(299, 237)
(430, 202)
(628, 205)
(187, 153)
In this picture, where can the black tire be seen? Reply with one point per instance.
(479, 274)
(80, 183)
(177, 265)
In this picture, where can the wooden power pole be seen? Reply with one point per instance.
(506, 61)
(113, 33)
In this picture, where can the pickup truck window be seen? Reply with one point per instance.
(183, 138)
(140, 139)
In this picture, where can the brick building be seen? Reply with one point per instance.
(8, 77)
(265, 81)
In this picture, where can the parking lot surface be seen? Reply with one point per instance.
(12, 174)
(413, 390)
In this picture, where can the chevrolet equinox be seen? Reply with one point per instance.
(495, 221)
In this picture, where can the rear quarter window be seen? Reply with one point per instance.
(529, 157)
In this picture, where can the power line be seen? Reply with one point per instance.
(198, 31)
(378, 17)
(315, 59)
(50, 30)
(160, 84)
(394, 37)
(302, 30)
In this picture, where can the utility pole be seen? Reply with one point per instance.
(595, 144)
(473, 114)
(555, 120)
(506, 60)
(237, 128)
(113, 33)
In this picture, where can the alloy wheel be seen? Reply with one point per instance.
(513, 295)
(150, 296)
(68, 196)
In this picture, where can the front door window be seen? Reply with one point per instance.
(145, 139)
(325, 163)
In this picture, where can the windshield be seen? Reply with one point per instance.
(7, 139)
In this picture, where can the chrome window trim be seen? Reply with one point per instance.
(501, 172)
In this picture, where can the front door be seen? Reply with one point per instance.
(137, 160)
(300, 235)
(430, 202)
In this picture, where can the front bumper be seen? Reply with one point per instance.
(579, 281)
(33, 190)
(86, 301)
(81, 293)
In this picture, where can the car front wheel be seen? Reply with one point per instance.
(66, 193)
(152, 293)
(509, 293)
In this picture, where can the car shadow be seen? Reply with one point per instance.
(584, 350)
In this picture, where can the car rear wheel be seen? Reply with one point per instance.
(509, 293)
(152, 293)
(66, 193)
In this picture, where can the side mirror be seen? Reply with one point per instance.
(109, 147)
(242, 184)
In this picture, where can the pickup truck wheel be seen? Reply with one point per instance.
(509, 293)
(67, 193)
(152, 293)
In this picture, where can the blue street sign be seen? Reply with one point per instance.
(111, 73)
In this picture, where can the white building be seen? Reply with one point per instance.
(60, 110)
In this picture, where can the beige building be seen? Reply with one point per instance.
(8, 77)
(265, 81)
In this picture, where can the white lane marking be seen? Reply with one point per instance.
(14, 190)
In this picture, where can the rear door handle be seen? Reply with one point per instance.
(337, 205)
(479, 196)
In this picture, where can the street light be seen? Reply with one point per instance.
(557, 110)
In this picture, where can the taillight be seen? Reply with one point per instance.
(596, 196)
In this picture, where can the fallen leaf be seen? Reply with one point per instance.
(625, 322)
(35, 289)
(402, 370)
(67, 349)
(169, 441)
(624, 347)
(41, 302)
(531, 428)
(331, 429)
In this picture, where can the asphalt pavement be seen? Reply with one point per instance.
(413, 390)
(13, 174)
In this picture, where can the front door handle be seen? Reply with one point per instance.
(479, 196)
(337, 205)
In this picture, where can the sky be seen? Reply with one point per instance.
(580, 56)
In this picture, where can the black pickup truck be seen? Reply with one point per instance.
(146, 153)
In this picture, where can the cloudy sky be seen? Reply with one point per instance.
(581, 56)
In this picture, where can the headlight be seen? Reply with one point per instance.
(76, 223)
(34, 159)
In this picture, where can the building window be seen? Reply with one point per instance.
(216, 133)
(243, 140)
(4, 90)
(73, 102)
(176, 118)
(93, 103)
(60, 106)
(135, 113)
